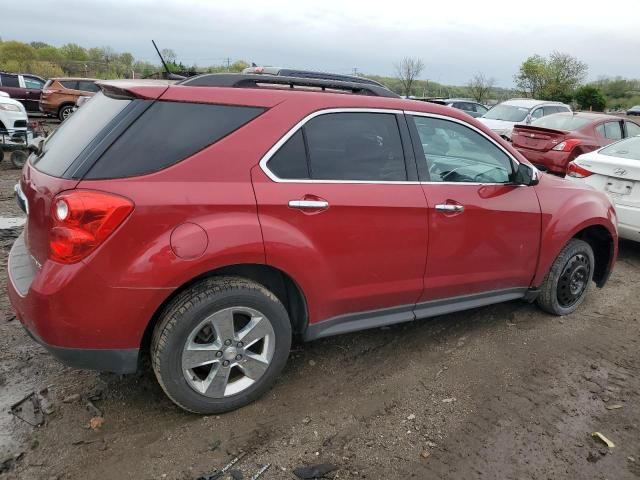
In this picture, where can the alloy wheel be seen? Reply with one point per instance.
(228, 352)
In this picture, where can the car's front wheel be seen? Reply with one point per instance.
(220, 345)
(565, 286)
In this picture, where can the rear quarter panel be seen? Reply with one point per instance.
(567, 209)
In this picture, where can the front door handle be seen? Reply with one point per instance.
(309, 204)
(449, 208)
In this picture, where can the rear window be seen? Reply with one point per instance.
(74, 134)
(561, 122)
(629, 148)
(167, 133)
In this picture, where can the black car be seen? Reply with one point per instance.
(634, 111)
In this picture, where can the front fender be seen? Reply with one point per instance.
(567, 210)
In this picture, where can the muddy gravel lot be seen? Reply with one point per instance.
(503, 392)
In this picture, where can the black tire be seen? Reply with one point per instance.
(65, 112)
(567, 283)
(18, 158)
(183, 316)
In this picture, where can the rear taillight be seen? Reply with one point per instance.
(82, 220)
(575, 170)
(567, 145)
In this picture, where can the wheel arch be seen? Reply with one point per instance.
(601, 242)
(280, 283)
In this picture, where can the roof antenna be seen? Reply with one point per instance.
(167, 75)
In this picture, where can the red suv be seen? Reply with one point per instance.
(211, 221)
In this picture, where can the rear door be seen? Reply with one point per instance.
(343, 213)
(484, 231)
(10, 83)
(33, 89)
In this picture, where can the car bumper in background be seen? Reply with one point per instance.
(552, 161)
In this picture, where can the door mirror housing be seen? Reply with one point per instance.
(526, 175)
(528, 119)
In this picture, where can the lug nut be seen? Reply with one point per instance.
(225, 363)
(238, 357)
(240, 344)
(218, 354)
(227, 342)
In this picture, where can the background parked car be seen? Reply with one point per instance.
(615, 170)
(25, 88)
(474, 109)
(59, 95)
(502, 118)
(634, 110)
(552, 142)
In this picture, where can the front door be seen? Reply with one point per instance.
(484, 231)
(341, 214)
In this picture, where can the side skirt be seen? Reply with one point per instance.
(407, 313)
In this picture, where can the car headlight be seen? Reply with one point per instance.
(9, 107)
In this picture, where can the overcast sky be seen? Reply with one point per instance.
(455, 39)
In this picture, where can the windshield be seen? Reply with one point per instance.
(72, 137)
(629, 148)
(508, 113)
(561, 122)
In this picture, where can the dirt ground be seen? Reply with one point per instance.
(503, 392)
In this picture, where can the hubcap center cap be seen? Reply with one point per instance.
(230, 353)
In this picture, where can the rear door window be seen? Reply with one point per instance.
(9, 80)
(88, 86)
(33, 83)
(612, 130)
(70, 84)
(167, 133)
(74, 134)
(290, 161)
(355, 146)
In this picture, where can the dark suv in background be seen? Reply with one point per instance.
(25, 88)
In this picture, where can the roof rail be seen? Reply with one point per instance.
(239, 80)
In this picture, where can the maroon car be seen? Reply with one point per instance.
(553, 141)
(23, 87)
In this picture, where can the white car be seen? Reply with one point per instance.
(13, 118)
(502, 118)
(615, 170)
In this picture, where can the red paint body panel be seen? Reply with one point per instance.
(493, 244)
(376, 246)
(367, 251)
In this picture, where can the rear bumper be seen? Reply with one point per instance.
(554, 162)
(628, 222)
(76, 315)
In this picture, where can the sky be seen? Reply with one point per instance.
(454, 39)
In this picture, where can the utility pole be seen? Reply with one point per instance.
(355, 71)
(228, 64)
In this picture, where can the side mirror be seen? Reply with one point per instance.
(526, 175)
(528, 119)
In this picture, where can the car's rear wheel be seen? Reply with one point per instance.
(220, 345)
(65, 112)
(567, 283)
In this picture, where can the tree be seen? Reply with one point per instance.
(407, 70)
(530, 79)
(169, 55)
(17, 54)
(589, 97)
(480, 87)
(554, 78)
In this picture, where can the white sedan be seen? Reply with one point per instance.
(615, 170)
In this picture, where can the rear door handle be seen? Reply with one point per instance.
(449, 208)
(308, 204)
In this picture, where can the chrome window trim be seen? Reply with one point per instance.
(272, 176)
(267, 156)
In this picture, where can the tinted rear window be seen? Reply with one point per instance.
(561, 122)
(167, 133)
(74, 134)
(70, 84)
